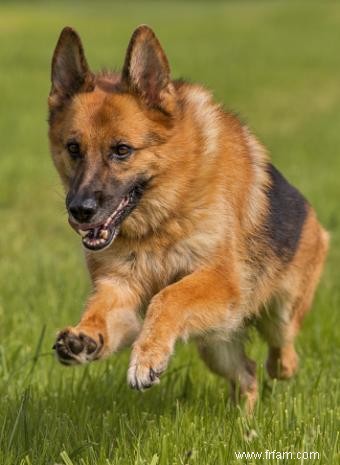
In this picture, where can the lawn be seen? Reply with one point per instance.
(275, 63)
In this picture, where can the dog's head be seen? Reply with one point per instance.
(110, 136)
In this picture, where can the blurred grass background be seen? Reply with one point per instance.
(277, 64)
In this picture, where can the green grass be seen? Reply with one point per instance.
(277, 64)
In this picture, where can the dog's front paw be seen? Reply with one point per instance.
(76, 347)
(145, 367)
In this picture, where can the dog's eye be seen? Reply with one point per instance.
(73, 149)
(121, 151)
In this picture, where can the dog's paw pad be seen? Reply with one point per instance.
(72, 348)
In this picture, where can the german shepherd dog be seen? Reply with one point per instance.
(183, 220)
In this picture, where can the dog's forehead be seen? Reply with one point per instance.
(108, 114)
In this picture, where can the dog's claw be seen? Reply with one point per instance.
(141, 382)
(153, 374)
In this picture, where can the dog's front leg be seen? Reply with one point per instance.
(202, 301)
(110, 322)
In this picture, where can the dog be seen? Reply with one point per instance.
(187, 227)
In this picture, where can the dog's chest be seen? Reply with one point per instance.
(152, 266)
(156, 267)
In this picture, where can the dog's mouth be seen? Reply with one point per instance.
(101, 235)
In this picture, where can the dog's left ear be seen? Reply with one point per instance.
(146, 71)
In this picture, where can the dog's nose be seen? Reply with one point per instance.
(83, 210)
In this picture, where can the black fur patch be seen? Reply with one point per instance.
(287, 214)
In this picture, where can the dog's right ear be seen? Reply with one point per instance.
(70, 72)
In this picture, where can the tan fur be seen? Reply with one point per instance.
(182, 257)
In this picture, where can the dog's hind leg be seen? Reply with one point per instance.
(281, 323)
(278, 329)
(228, 359)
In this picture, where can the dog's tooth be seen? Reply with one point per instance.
(104, 234)
(82, 233)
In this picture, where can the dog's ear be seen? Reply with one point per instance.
(70, 72)
(146, 71)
